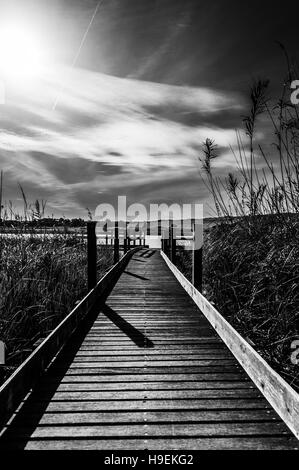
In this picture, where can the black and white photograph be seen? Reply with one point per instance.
(149, 229)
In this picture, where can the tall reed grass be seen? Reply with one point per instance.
(251, 256)
(41, 277)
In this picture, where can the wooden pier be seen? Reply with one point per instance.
(145, 370)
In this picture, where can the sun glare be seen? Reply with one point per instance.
(21, 55)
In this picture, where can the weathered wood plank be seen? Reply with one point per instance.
(233, 443)
(150, 370)
(152, 430)
(153, 394)
(153, 363)
(115, 386)
(163, 349)
(185, 416)
(162, 404)
(144, 378)
(152, 358)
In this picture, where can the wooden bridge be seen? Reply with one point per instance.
(141, 367)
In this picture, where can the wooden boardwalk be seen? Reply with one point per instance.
(150, 373)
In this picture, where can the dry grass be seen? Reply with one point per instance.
(251, 258)
(253, 278)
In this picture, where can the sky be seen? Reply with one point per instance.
(125, 111)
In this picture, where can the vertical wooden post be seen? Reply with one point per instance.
(166, 244)
(163, 245)
(197, 258)
(125, 244)
(170, 241)
(172, 245)
(116, 243)
(91, 255)
(171, 248)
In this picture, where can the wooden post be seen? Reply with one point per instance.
(172, 245)
(116, 244)
(197, 258)
(162, 241)
(125, 244)
(166, 242)
(91, 255)
(170, 242)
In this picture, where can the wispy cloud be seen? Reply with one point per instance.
(108, 136)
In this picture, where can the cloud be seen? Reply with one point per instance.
(108, 136)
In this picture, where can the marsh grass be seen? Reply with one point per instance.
(251, 256)
(253, 278)
(41, 278)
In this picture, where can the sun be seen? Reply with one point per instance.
(21, 54)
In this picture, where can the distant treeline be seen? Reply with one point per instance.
(45, 222)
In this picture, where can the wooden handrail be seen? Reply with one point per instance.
(281, 396)
(16, 387)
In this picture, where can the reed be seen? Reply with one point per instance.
(41, 278)
(251, 267)
(251, 255)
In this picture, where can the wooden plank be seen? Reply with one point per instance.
(162, 404)
(115, 386)
(150, 370)
(168, 430)
(153, 394)
(162, 349)
(154, 417)
(198, 358)
(232, 443)
(153, 363)
(144, 378)
(108, 355)
(282, 397)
